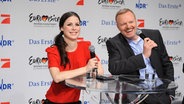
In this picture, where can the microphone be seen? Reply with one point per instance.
(139, 32)
(92, 53)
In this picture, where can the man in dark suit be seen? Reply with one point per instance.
(130, 54)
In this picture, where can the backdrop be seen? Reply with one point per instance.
(27, 28)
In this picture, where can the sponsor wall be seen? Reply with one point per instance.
(27, 27)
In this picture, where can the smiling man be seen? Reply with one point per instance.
(133, 55)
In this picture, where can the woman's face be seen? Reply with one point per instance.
(71, 28)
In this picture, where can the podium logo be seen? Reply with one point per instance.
(5, 62)
(5, 18)
(80, 2)
(4, 102)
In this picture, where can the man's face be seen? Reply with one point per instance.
(127, 25)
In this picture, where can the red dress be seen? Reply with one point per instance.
(59, 92)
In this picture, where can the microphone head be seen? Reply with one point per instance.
(139, 31)
(92, 48)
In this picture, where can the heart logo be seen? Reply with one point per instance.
(171, 22)
(44, 60)
(111, 1)
(170, 58)
(44, 18)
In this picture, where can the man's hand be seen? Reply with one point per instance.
(147, 47)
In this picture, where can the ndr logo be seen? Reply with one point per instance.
(141, 5)
(84, 23)
(5, 42)
(5, 86)
(2, 2)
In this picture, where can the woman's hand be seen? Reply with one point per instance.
(92, 64)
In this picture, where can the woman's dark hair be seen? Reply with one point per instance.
(59, 40)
